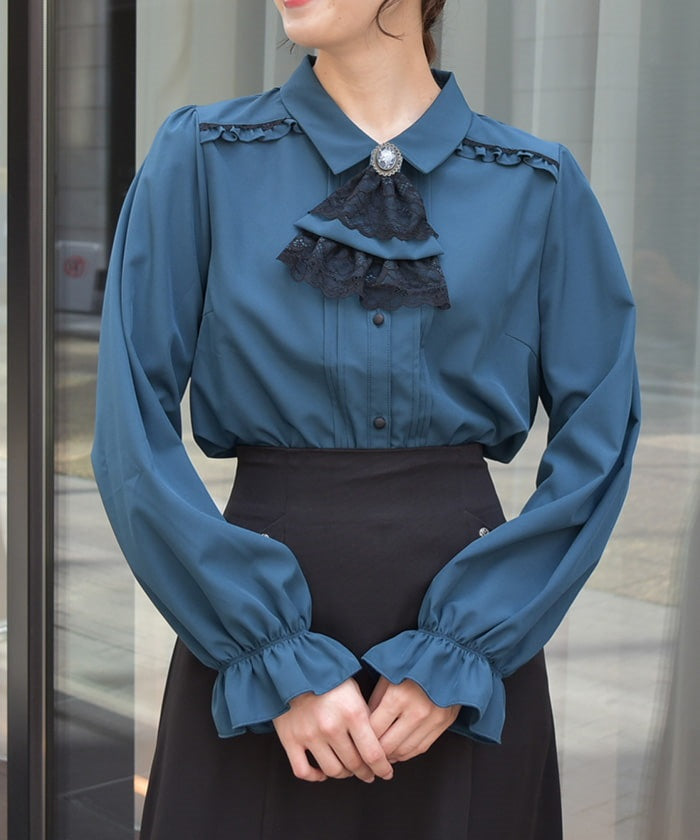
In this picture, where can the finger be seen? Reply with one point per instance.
(383, 716)
(416, 741)
(300, 764)
(403, 730)
(370, 749)
(328, 761)
(377, 693)
(351, 759)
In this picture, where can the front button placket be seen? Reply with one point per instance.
(379, 378)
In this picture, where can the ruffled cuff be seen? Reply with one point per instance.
(257, 686)
(449, 673)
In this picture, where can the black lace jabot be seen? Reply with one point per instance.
(351, 243)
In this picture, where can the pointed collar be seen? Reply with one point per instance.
(426, 143)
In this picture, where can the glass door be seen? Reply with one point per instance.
(120, 68)
(93, 594)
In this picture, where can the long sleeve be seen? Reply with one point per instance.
(498, 601)
(237, 599)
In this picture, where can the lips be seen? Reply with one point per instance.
(293, 4)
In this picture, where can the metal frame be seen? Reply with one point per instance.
(29, 433)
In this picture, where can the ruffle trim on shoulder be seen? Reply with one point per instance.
(490, 153)
(255, 688)
(233, 132)
(451, 674)
(341, 271)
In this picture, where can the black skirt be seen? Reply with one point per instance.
(370, 529)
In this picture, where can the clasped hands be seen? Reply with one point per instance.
(349, 737)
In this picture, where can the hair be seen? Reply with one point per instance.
(431, 9)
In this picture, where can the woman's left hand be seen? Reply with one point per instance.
(405, 719)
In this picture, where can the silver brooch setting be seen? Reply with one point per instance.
(386, 159)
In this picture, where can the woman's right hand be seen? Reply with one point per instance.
(334, 727)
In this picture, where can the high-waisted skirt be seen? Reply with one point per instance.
(370, 529)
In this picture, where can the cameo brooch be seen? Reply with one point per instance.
(386, 159)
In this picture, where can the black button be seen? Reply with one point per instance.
(378, 319)
(379, 422)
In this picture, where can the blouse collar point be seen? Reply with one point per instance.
(425, 144)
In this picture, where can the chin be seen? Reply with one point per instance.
(309, 33)
(304, 36)
(320, 24)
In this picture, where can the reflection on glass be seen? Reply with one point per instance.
(93, 589)
(614, 80)
(110, 646)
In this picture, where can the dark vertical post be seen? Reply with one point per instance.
(122, 104)
(28, 434)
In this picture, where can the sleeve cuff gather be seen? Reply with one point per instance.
(253, 689)
(450, 673)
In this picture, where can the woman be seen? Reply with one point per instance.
(361, 321)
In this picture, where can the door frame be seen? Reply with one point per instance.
(29, 426)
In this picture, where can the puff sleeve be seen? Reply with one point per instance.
(498, 601)
(237, 599)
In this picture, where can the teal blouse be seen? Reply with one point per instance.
(539, 310)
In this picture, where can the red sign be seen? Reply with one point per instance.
(74, 266)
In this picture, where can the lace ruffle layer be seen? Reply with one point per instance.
(340, 271)
(385, 209)
(379, 207)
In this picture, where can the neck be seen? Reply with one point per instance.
(383, 88)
